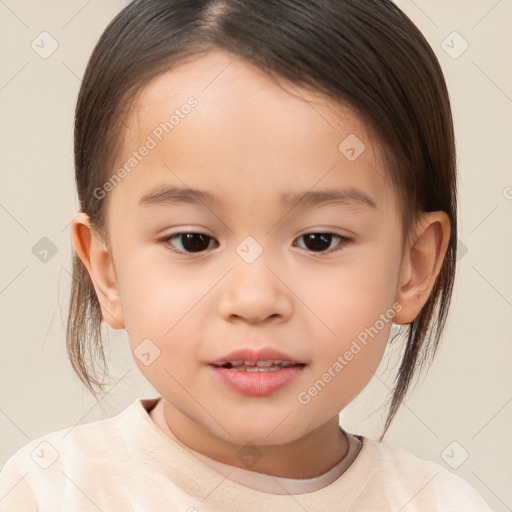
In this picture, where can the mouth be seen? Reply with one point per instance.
(258, 366)
(257, 373)
(265, 359)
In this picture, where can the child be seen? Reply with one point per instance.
(219, 145)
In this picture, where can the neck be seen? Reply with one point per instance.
(306, 457)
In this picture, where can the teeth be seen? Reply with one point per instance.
(254, 366)
(265, 363)
(259, 369)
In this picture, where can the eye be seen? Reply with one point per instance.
(199, 242)
(190, 242)
(318, 242)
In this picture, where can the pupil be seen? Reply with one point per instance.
(319, 240)
(195, 242)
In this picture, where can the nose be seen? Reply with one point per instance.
(255, 293)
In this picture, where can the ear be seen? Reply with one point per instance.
(97, 259)
(422, 261)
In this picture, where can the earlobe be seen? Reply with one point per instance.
(421, 264)
(96, 258)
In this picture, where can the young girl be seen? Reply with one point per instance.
(265, 189)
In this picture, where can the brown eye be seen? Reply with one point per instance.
(190, 242)
(320, 242)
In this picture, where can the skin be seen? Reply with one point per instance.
(248, 141)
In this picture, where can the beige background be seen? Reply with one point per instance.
(467, 395)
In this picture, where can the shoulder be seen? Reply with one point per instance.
(418, 484)
(43, 465)
(85, 441)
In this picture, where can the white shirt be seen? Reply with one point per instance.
(126, 463)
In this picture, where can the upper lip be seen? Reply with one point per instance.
(263, 354)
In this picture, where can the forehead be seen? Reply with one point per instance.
(232, 92)
(246, 135)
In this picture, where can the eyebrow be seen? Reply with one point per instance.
(177, 196)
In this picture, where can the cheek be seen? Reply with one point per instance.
(154, 295)
(344, 367)
(166, 316)
(350, 296)
(355, 303)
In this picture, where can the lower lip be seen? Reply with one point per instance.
(257, 383)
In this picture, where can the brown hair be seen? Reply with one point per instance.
(367, 55)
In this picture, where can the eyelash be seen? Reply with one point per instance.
(343, 241)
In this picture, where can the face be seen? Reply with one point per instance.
(302, 280)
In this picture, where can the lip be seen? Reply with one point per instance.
(257, 383)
